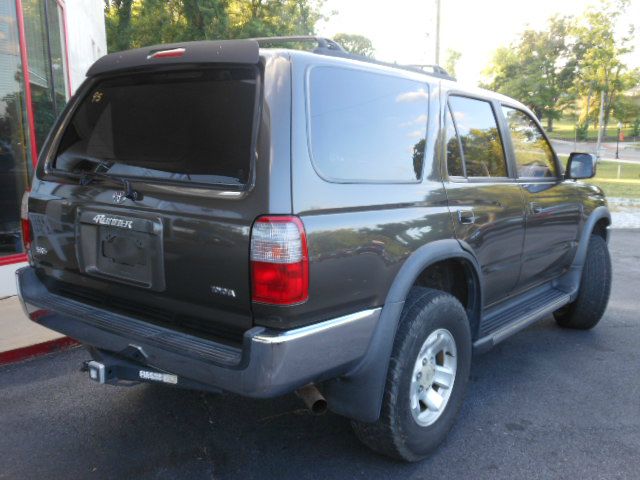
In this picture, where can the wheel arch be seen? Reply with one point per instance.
(597, 223)
(358, 394)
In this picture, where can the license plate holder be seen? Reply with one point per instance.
(123, 247)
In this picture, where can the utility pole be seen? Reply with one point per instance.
(437, 32)
(600, 124)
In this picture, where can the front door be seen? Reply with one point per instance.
(552, 209)
(486, 202)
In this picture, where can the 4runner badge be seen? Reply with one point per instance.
(112, 222)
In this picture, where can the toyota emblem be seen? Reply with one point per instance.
(119, 197)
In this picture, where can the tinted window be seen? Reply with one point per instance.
(181, 126)
(454, 156)
(534, 157)
(366, 126)
(481, 144)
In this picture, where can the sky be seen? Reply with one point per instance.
(403, 31)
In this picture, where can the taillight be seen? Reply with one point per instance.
(279, 261)
(24, 221)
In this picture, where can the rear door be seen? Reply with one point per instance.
(485, 201)
(553, 211)
(148, 199)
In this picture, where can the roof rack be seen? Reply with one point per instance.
(326, 46)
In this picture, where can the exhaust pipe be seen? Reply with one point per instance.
(313, 399)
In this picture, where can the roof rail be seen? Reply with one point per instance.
(326, 46)
(434, 70)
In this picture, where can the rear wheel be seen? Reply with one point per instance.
(595, 285)
(428, 373)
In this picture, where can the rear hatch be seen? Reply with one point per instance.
(148, 197)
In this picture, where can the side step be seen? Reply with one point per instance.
(514, 315)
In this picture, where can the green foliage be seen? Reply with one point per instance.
(358, 44)
(599, 53)
(571, 63)
(539, 69)
(635, 127)
(625, 107)
(136, 23)
(452, 58)
(582, 131)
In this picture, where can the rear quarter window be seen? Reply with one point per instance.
(366, 127)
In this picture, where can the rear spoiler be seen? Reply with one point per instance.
(222, 51)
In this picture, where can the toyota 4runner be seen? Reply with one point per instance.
(221, 216)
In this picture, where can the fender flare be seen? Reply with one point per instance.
(598, 214)
(358, 394)
(570, 281)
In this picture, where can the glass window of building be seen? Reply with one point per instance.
(15, 162)
(47, 69)
(45, 51)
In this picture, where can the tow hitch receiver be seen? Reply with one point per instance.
(121, 373)
(107, 368)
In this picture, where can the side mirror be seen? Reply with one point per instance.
(581, 165)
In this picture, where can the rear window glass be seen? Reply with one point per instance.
(178, 126)
(366, 127)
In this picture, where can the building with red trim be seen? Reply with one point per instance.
(46, 46)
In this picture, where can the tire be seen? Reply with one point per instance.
(595, 286)
(407, 433)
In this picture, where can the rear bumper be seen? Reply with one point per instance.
(269, 362)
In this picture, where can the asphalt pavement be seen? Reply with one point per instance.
(547, 403)
(627, 151)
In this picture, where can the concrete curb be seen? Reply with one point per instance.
(24, 353)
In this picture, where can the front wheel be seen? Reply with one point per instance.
(427, 377)
(595, 285)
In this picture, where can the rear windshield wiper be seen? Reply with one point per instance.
(87, 177)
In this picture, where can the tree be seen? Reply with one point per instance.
(118, 24)
(625, 106)
(452, 58)
(538, 70)
(136, 23)
(358, 44)
(599, 53)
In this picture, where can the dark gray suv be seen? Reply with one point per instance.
(220, 216)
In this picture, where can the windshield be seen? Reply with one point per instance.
(194, 126)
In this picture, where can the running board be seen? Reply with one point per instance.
(509, 319)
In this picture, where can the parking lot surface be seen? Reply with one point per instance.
(547, 403)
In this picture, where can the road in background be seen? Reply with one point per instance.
(547, 403)
(627, 151)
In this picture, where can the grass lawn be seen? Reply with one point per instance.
(628, 171)
(566, 130)
(609, 171)
(621, 190)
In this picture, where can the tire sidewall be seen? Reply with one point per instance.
(444, 312)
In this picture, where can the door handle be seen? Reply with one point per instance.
(466, 217)
(536, 208)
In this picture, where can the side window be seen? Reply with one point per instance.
(482, 148)
(534, 157)
(455, 166)
(366, 127)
